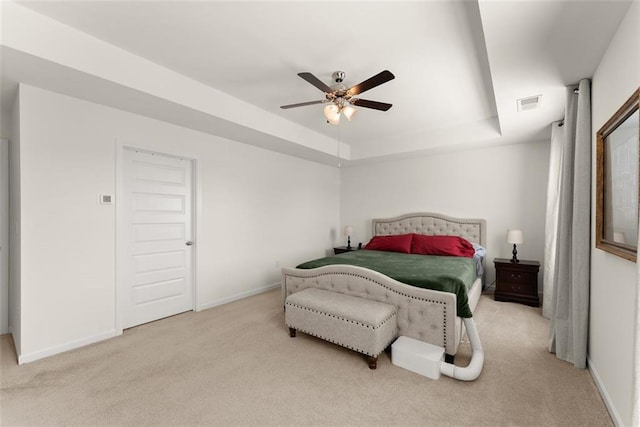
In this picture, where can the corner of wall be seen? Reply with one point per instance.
(4, 238)
(15, 313)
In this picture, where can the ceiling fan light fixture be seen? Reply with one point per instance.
(341, 99)
(332, 113)
(349, 112)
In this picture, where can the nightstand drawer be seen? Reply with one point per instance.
(517, 281)
(516, 288)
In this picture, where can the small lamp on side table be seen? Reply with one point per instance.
(515, 237)
(348, 231)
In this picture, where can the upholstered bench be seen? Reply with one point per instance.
(359, 324)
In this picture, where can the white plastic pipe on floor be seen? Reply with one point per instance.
(471, 371)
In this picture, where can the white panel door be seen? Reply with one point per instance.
(157, 221)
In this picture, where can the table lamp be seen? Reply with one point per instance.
(348, 231)
(515, 237)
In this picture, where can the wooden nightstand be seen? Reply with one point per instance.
(342, 249)
(517, 282)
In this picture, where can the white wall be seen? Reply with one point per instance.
(506, 185)
(5, 136)
(613, 279)
(4, 236)
(14, 227)
(257, 211)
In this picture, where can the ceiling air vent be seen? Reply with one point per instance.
(529, 103)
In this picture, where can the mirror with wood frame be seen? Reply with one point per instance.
(617, 183)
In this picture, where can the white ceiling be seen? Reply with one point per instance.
(459, 65)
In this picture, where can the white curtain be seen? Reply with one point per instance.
(551, 220)
(569, 307)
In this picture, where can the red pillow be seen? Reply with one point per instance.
(400, 243)
(441, 245)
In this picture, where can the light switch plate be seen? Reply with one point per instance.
(105, 199)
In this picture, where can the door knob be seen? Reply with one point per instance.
(189, 243)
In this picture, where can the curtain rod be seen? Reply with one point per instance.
(576, 91)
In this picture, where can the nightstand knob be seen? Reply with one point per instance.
(515, 276)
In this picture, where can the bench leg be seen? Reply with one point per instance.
(373, 362)
(292, 332)
(449, 358)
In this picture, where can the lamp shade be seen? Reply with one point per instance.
(515, 237)
(332, 113)
(348, 112)
(348, 230)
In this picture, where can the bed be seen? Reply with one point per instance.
(429, 315)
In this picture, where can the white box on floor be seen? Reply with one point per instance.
(417, 356)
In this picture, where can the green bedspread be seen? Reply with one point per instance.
(441, 273)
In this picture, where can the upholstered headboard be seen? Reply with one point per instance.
(474, 230)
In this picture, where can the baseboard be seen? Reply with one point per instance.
(605, 396)
(31, 357)
(236, 297)
(16, 342)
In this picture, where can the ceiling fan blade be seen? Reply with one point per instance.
(316, 82)
(377, 80)
(383, 106)
(301, 104)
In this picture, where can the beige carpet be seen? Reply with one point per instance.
(236, 365)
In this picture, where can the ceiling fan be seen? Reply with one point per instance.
(341, 99)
